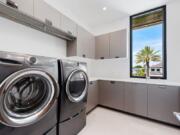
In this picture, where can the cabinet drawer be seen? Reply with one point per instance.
(46, 13)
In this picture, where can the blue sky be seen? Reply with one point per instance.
(148, 36)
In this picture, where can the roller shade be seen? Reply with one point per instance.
(147, 19)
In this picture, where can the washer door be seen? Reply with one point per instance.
(26, 96)
(77, 85)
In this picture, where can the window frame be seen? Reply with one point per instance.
(163, 38)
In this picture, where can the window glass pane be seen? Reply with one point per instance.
(147, 44)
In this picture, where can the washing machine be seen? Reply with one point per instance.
(28, 94)
(73, 81)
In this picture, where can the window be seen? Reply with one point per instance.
(148, 44)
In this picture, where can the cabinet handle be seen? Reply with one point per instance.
(12, 4)
(112, 82)
(48, 22)
(162, 86)
(102, 58)
(84, 55)
(117, 57)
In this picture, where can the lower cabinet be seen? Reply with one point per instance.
(111, 94)
(136, 98)
(157, 102)
(162, 102)
(93, 96)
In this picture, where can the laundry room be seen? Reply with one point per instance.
(93, 67)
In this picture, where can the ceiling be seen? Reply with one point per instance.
(90, 14)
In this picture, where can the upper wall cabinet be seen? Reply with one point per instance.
(46, 13)
(83, 46)
(102, 46)
(112, 45)
(118, 44)
(69, 26)
(26, 6)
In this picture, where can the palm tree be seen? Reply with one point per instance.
(145, 56)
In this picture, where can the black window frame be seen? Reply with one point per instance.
(164, 43)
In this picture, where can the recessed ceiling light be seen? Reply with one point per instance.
(104, 8)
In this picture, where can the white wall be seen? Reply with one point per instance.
(119, 68)
(173, 41)
(111, 27)
(18, 38)
(15, 37)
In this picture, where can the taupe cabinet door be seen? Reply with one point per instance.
(69, 26)
(112, 94)
(136, 98)
(85, 43)
(102, 46)
(26, 6)
(83, 46)
(118, 44)
(162, 102)
(93, 96)
(46, 13)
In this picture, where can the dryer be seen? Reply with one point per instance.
(73, 96)
(28, 94)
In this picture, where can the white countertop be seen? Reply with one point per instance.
(135, 80)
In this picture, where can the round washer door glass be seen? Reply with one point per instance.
(76, 86)
(27, 97)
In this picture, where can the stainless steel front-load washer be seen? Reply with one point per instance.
(28, 94)
(73, 82)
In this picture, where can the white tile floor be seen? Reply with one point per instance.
(103, 121)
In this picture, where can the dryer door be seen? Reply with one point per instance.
(26, 96)
(77, 85)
